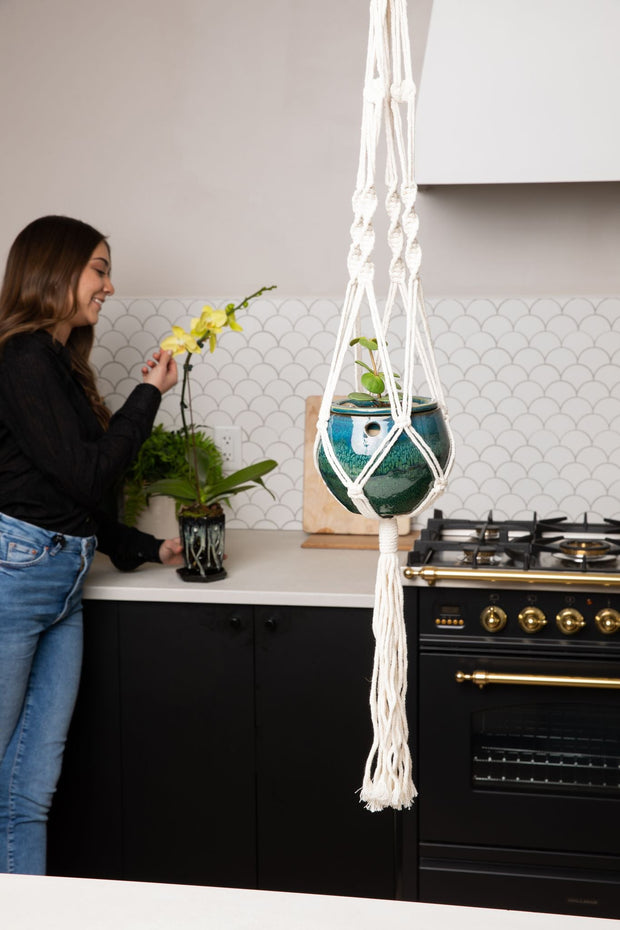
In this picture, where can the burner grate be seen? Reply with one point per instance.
(517, 542)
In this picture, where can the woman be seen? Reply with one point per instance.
(60, 452)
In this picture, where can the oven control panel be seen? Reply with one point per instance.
(536, 616)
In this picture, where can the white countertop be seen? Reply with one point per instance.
(263, 566)
(31, 903)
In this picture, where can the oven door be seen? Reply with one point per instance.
(517, 765)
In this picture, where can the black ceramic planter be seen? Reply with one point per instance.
(203, 547)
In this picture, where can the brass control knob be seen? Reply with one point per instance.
(493, 619)
(569, 621)
(532, 619)
(608, 620)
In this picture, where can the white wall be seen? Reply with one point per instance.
(217, 143)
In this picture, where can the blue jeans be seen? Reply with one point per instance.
(41, 580)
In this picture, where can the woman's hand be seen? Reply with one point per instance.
(171, 552)
(160, 371)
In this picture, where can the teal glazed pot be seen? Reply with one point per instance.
(403, 478)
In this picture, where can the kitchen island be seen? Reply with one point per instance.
(29, 903)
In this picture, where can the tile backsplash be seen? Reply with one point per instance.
(532, 388)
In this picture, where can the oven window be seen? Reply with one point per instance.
(558, 748)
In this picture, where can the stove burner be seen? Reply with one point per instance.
(584, 548)
(480, 555)
(488, 533)
(582, 560)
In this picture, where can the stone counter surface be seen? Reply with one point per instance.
(263, 566)
(30, 902)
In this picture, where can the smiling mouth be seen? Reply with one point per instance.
(97, 301)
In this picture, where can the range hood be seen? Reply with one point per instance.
(520, 91)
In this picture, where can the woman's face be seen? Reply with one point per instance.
(93, 287)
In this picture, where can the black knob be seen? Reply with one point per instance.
(235, 623)
(271, 623)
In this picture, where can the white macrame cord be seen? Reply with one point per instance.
(388, 88)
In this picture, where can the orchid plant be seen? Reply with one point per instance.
(201, 491)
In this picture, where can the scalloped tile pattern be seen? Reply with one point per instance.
(532, 388)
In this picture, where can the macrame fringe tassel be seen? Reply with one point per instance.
(387, 777)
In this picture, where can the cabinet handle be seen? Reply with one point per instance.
(235, 623)
(271, 624)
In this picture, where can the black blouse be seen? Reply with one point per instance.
(56, 461)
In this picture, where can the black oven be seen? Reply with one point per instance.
(516, 691)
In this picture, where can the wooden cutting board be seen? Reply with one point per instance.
(322, 513)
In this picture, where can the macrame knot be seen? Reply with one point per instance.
(366, 273)
(413, 255)
(403, 92)
(408, 193)
(398, 270)
(396, 238)
(393, 204)
(388, 535)
(402, 420)
(366, 202)
(356, 493)
(411, 223)
(354, 263)
(367, 241)
(375, 91)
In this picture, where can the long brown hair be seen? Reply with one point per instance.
(40, 289)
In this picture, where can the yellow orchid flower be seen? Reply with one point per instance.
(197, 330)
(180, 341)
(233, 323)
(214, 320)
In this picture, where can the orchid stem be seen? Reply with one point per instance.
(190, 441)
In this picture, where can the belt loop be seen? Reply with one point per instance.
(59, 540)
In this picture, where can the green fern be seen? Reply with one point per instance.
(164, 456)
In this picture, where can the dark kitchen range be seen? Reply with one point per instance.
(517, 737)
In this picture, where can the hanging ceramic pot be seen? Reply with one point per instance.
(401, 481)
(203, 546)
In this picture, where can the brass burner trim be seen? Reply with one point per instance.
(480, 554)
(584, 548)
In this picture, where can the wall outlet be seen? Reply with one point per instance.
(228, 441)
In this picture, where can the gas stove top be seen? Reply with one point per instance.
(533, 550)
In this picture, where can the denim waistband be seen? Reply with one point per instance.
(85, 545)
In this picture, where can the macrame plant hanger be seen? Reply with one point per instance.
(388, 89)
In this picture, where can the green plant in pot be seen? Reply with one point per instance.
(372, 379)
(201, 490)
(164, 456)
(360, 424)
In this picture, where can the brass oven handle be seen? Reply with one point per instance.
(432, 574)
(557, 681)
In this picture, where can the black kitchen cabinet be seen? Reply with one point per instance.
(225, 746)
(187, 744)
(313, 669)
